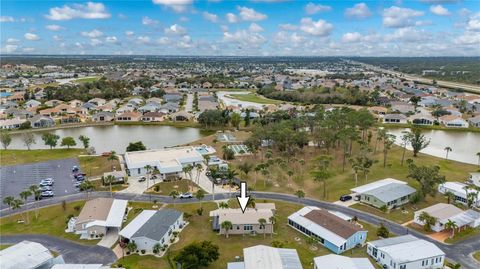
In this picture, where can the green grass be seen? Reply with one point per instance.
(4, 246)
(97, 165)
(51, 221)
(199, 229)
(465, 233)
(87, 79)
(14, 157)
(254, 99)
(476, 255)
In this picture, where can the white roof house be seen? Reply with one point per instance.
(406, 250)
(27, 255)
(80, 266)
(333, 261)
(376, 184)
(459, 190)
(474, 178)
(266, 257)
(441, 212)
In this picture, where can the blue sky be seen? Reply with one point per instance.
(256, 27)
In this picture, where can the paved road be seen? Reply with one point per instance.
(458, 252)
(189, 103)
(72, 252)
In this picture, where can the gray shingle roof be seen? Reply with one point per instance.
(391, 192)
(159, 224)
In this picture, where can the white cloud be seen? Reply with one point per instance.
(28, 50)
(54, 27)
(439, 1)
(185, 42)
(408, 35)
(245, 38)
(288, 27)
(95, 42)
(12, 40)
(111, 39)
(210, 17)
(175, 30)
(31, 37)
(92, 34)
(144, 40)
(316, 28)
(57, 38)
(7, 19)
(129, 33)
(9, 48)
(439, 10)
(352, 37)
(397, 17)
(163, 41)
(148, 21)
(255, 28)
(176, 5)
(473, 23)
(90, 10)
(312, 8)
(468, 38)
(358, 11)
(231, 18)
(249, 14)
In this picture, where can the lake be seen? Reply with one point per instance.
(117, 137)
(465, 145)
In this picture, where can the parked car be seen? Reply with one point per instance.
(185, 195)
(345, 198)
(46, 188)
(153, 177)
(75, 169)
(77, 184)
(46, 182)
(79, 175)
(47, 194)
(142, 179)
(80, 178)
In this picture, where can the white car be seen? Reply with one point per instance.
(186, 195)
(47, 194)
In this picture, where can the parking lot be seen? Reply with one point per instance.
(14, 179)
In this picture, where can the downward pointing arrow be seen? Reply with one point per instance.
(243, 198)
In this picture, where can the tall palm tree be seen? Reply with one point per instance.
(245, 167)
(112, 157)
(8, 201)
(231, 174)
(450, 224)
(199, 168)
(174, 195)
(478, 155)
(447, 149)
(450, 196)
(227, 226)
(257, 169)
(149, 169)
(427, 220)
(24, 195)
(200, 195)
(37, 195)
(109, 179)
(17, 204)
(273, 220)
(86, 186)
(289, 174)
(262, 222)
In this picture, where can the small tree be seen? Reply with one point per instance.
(109, 180)
(300, 194)
(221, 205)
(68, 142)
(417, 140)
(50, 139)
(86, 186)
(447, 149)
(174, 195)
(262, 225)
(5, 138)
(85, 141)
(136, 146)
(156, 248)
(227, 226)
(427, 220)
(36, 192)
(132, 246)
(28, 139)
(8, 201)
(200, 195)
(451, 225)
(382, 231)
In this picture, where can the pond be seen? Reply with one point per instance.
(117, 137)
(464, 145)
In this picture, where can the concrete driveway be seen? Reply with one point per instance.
(347, 203)
(72, 252)
(109, 239)
(137, 187)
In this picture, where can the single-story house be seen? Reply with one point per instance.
(474, 178)
(11, 123)
(153, 116)
(97, 217)
(244, 222)
(378, 110)
(421, 119)
(460, 191)
(81, 266)
(153, 227)
(32, 103)
(98, 101)
(168, 161)
(129, 116)
(103, 116)
(387, 192)
(266, 257)
(406, 252)
(181, 116)
(475, 121)
(39, 121)
(444, 212)
(453, 121)
(330, 229)
(120, 176)
(28, 255)
(334, 261)
(395, 118)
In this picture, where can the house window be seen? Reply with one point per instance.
(138, 170)
(248, 227)
(403, 266)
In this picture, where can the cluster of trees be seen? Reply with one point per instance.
(49, 139)
(197, 255)
(136, 146)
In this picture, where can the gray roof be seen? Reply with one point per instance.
(393, 241)
(159, 224)
(391, 192)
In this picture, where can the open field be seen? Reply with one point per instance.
(87, 79)
(254, 98)
(233, 246)
(51, 220)
(97, 165)
(13, 157)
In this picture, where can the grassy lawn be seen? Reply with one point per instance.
(87, 79)
(254, 98)
(14, 157)
(97, 165)
(51, 221)
(165, 188)
(463, 234)
(4, 246)
(476, 255)
(200, 227)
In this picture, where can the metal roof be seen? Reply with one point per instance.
(333, 261)
(271, 258)
(24, 255)
(154, 226)
(390, 192)
(376, 184)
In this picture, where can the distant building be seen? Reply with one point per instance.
(395, 118)
(28, 255)
(460, 191)
(406, 252)
(333, 261)
(388, 192)
(444, 212)
(453, 121)
(266, 257)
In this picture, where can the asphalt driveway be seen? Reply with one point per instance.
(16, 178)
(72, 252)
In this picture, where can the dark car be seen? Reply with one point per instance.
(345, 198)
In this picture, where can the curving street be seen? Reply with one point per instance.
(459, 252)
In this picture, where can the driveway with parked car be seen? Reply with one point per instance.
(56, 178)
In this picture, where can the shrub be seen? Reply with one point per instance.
(77, 208)
(156, 188)
(143, 251)
(200, 211)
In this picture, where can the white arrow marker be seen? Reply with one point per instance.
(243, 198)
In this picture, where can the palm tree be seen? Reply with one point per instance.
(156, 248)
(199, 169)
(86, 186)
(262, 223)
(447, 149)
(478, 155)
(450, 224)
(200, 195)
(268, 154)
(226, 225)
(273, 220)
(302, 164)
(290, 174)
(187, 170)
(251, 202)
(36, 194)
(109, 179)
(24, 195)
(231, 173)
(300, 194)
(174, 195)
(427, 220)
(257, 169)
(450, 196)
(223, 205)
(17, 204)
(356, 166)
(112, 157)
(8, 201)
(265, 173)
